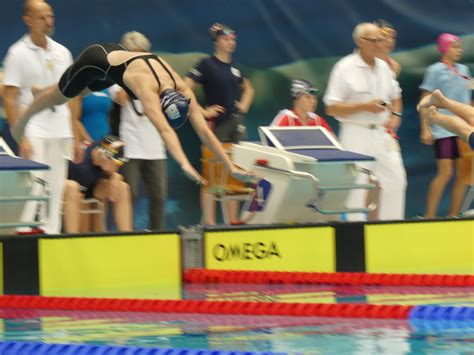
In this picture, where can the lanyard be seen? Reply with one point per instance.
(454, 70)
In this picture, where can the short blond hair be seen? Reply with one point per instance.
(136, 41)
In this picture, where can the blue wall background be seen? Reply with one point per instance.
(277, 40)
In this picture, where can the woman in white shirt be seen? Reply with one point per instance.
(143, 145)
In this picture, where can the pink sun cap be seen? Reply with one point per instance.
(445, 40)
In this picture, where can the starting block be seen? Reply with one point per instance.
(306, 176)
(17, 187)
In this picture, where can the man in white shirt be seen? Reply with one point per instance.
(36, 61)
(359, 95)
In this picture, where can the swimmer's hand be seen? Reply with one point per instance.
(192, 174)
(243, 175)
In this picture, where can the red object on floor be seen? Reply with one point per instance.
(237, 223)
(32, 231)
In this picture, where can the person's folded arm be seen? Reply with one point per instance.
(192, 85)
(248, 94)
(342, 109)
(10, 99)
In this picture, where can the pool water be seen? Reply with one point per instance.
(309, 335)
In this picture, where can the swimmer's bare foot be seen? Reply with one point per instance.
(432, 115)
(436, 98)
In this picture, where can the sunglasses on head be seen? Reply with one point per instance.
(373, 40)
(111, 156)
(390, 32)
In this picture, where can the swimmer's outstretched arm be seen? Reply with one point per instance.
(152, 109)
(207, 137)
(210, 140)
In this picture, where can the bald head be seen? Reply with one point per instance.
(39, 17)
(31, 6)
(365, 29)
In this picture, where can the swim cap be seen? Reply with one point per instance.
(113, 148)
(445, 40)
(219, 29)
(175, 106)
(300, 86)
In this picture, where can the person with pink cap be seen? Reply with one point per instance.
(453, 81)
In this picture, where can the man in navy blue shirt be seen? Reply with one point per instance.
(228, 96)
(97, 177)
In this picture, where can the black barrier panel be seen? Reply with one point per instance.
(20, 266)
(350, 247)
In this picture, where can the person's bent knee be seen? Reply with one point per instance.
(445, 173)
(72, 189)
(124, 191)
(125, 188)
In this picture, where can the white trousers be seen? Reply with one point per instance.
(388, 167)
(53, 152)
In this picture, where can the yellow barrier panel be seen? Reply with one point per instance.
(431, 247)
(286, 249)
(122, 266)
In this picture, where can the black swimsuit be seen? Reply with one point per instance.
(92, 70)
